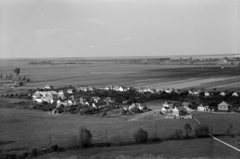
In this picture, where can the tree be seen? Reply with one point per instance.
(85, 137)
(188, 128)
(140, 136)
(17, 71)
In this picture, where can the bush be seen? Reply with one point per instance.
(201, 130)
(104, 113)
(54, 147)
(34, 152)
(85, 137)
(140, 136)
(178, 134)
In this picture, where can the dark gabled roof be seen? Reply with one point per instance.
(100, 104)
(181, 108)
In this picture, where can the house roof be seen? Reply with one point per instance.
(181, 108)
(223, 104)
(203, 105)
(100, 103)
(95, 98)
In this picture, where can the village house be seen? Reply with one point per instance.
(168, 90)
(90, 88)
(108, 100)
(48, 87)
(95, 99)
(100, 104)
(222, 94)
(38, 99)
(70, 91)
(60, 92)
(203, 107)
(167, 104)
(179, 111)
(82, 88)
(117, 88)
(235, 94)
(224, 106)
(110, 87)
(206, 94)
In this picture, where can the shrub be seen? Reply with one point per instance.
(178, 134)
(54, 147)
(201, 130)
(228, 132)
(140, 136)
(104, 113)
(34, 152)
(85, 137)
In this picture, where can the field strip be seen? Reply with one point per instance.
(226, 85)
(219, 139)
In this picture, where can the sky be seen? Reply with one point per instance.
(90, 28)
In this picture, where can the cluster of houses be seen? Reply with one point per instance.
(48, 95)
(59, 98)
(178, 110)
(223, 106)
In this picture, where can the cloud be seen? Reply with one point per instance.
(126, 39)
(95, 21)
(48, 32)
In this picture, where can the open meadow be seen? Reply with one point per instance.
(24, 129)
(167, 149)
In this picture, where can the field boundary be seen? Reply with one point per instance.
(218, 139)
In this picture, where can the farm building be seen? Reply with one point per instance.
(203, 107)
(223, 106)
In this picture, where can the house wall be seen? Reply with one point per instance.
(222, 107)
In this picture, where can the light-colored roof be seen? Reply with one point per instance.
(223, 104)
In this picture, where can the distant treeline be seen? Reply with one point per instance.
(152, 61)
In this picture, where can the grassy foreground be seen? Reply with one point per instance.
(23, 130)
(197, 148)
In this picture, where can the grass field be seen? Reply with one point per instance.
(168, 149)
(24, 129)
(219, 122)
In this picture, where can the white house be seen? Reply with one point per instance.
(206, 94)
(70, 91)
(38, 100)
(222, 94)
(203, 107)
(168, 90)
(163, 110)
(95, 99)
(168, 104)
(48, 87)
(235, 94)
(60, 92)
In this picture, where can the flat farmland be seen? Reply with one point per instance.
(22, 130)
(99, 75)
